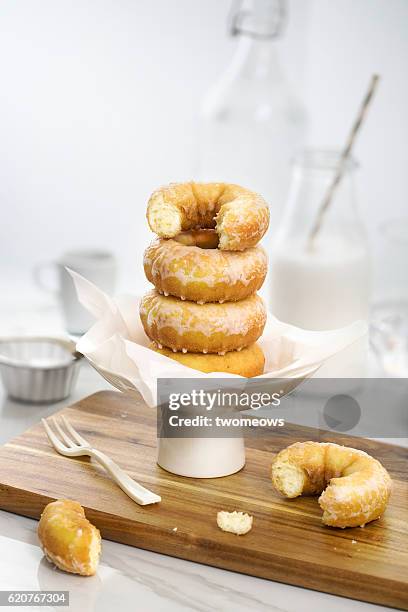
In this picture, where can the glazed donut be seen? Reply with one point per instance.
(207, 328)
(203, 274)
(354, 487)
(68, 539)
(240, 216)
(248, 362)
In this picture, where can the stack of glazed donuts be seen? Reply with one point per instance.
(206, 267)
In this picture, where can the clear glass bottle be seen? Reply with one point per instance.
(251, 122)
(325, 285)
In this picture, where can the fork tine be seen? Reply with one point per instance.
(70, 443)
(52, 437)
(73, 432)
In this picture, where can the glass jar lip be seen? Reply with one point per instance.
(322, 159)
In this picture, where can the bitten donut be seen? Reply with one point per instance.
(202, 328)
(202, 274)
(68, 539)
(248, 362)
(240, 216)
(354, 487)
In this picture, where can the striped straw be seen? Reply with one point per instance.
(343, 159)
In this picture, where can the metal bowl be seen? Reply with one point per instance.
(38, 369)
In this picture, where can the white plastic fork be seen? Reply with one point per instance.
(74, 445)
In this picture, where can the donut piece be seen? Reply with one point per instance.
(202, 328)
(204, 274)
(68, 539)
(248, 362)
(354, 486)
(240, 216)
(234, 522)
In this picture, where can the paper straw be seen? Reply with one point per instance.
(343, 159)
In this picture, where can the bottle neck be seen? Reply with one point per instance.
(259, 19)
(256, 59)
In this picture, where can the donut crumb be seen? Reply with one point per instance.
(235, 522)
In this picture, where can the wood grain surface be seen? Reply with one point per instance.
(288, 542)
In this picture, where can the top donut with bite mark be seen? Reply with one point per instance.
(239, 216)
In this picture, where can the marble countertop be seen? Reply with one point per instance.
(128, 578)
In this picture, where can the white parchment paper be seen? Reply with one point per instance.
(117, 346)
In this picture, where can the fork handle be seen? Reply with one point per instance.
(135, 491)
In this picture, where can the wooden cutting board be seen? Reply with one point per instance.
(288, 543)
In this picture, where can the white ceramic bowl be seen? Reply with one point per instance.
(38, 369)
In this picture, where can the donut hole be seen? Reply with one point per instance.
(201, 238)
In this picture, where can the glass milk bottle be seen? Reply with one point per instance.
(325, 284)
(251, 121)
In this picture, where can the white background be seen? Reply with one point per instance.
(99, 100)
